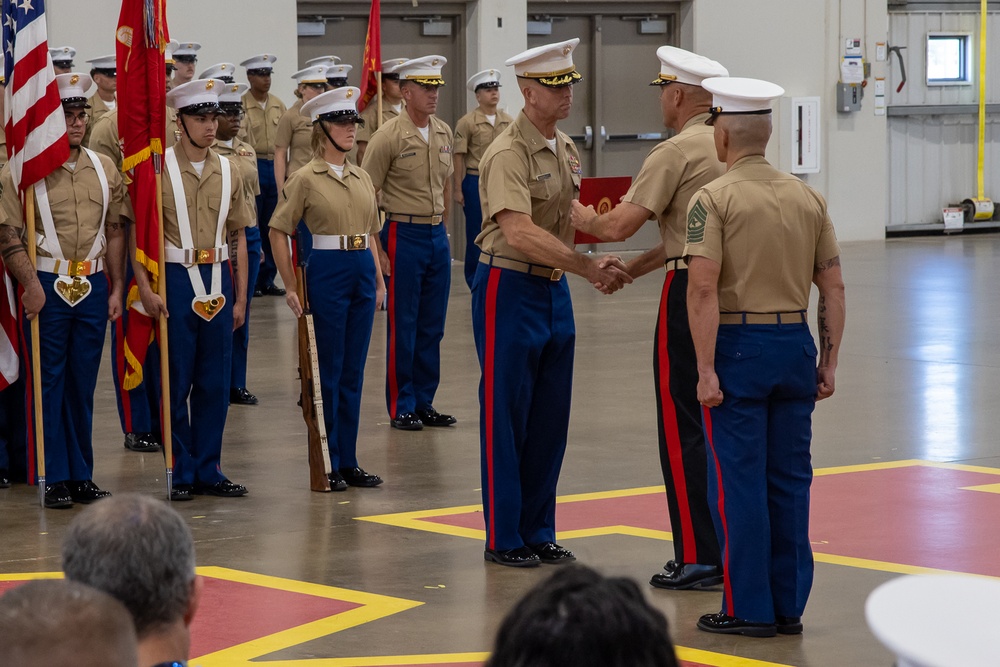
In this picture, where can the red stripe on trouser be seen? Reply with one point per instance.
(29, 393)
(671, 433)
(727, 585)
(123, 393)
(488, 361)
(391, 361)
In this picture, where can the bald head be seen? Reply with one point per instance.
(740, 135)
(58, 622)
(680, 102)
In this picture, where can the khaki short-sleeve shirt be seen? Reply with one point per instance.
(520, 173)
(242, 156)
(77, 203)
(262, 123)
(295, 135)
(104, 138)
(368, 115)
(768, 230)
(410, 172)
(328, 204)
(98, 110)
(173, 132)
(672, 172)
(474, 133)
(204, 201)
(3, 147)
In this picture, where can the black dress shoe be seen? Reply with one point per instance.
(181, 492)
(682, 577)
(86, 492)
(258, 292)
(519, 557)
(223, 489)
(57, 496)
(431, 417)
(788, 625)
(141, 442)
(407, 421)
(730, 625)
(274, 290)
(358, 477)
(550, 552)
(4, 479)
(337, 483)
(240, 396)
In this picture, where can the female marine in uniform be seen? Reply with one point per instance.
(337, 202)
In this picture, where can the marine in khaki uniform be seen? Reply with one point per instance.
(474, 132)
(185, 57)
(392, 106)
(80, 267)
(337, 202)
(241, 154)
(204, 206)
(522, 316)
(757, 239)
(104, 73)
(263, 111)
(104, 138)
(409, 160)
(671, 174)
(293, 143)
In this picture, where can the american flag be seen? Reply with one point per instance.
(8, 331)
(34, 120)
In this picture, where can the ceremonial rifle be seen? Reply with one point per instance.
(311, 398)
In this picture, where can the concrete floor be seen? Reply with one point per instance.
(915, 382)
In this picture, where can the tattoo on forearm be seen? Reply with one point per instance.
(116, 226)
(11, 250)
(825, 340)
(828, 264)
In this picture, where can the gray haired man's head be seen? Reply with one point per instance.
(138, 550)
(58, 622)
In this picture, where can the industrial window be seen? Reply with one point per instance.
(949, 59)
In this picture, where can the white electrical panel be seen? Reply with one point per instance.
(801, 120)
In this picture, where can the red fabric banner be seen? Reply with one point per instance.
(372, 67)
(140, 41)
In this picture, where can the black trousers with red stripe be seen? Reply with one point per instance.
(683, 456)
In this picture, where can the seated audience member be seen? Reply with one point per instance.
(581, 618)
(141, 552)
(53, 622)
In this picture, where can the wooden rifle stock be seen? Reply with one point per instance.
(311, 398)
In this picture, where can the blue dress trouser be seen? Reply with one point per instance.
(200, 358)
(241, 337)
(342, 300)
(267, 200)
(760, 468)
(473, 224)
(71, 345)
(139, 408)
(12, 436)
(525, 338)
(418, 304)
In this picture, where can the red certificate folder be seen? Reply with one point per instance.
(603, 194)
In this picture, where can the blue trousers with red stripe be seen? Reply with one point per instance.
(138, 409)
(418, 304)
(241, 337)
(683, 459)
(525, 338)
(473, 224)
(759, 440)
(71, 344)
(200, 357)
(342, 300)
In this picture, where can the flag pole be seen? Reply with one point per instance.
(36, 362)
(165, 420)
(378, 95)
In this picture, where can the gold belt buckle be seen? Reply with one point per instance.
(557, 275)
(356, 242)
(204, 256)
(79, 268)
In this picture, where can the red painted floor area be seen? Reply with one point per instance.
(916, 515)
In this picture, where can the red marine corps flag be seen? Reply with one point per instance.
(141, 39)
(370, 72)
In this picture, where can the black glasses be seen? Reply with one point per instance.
(72, 118)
